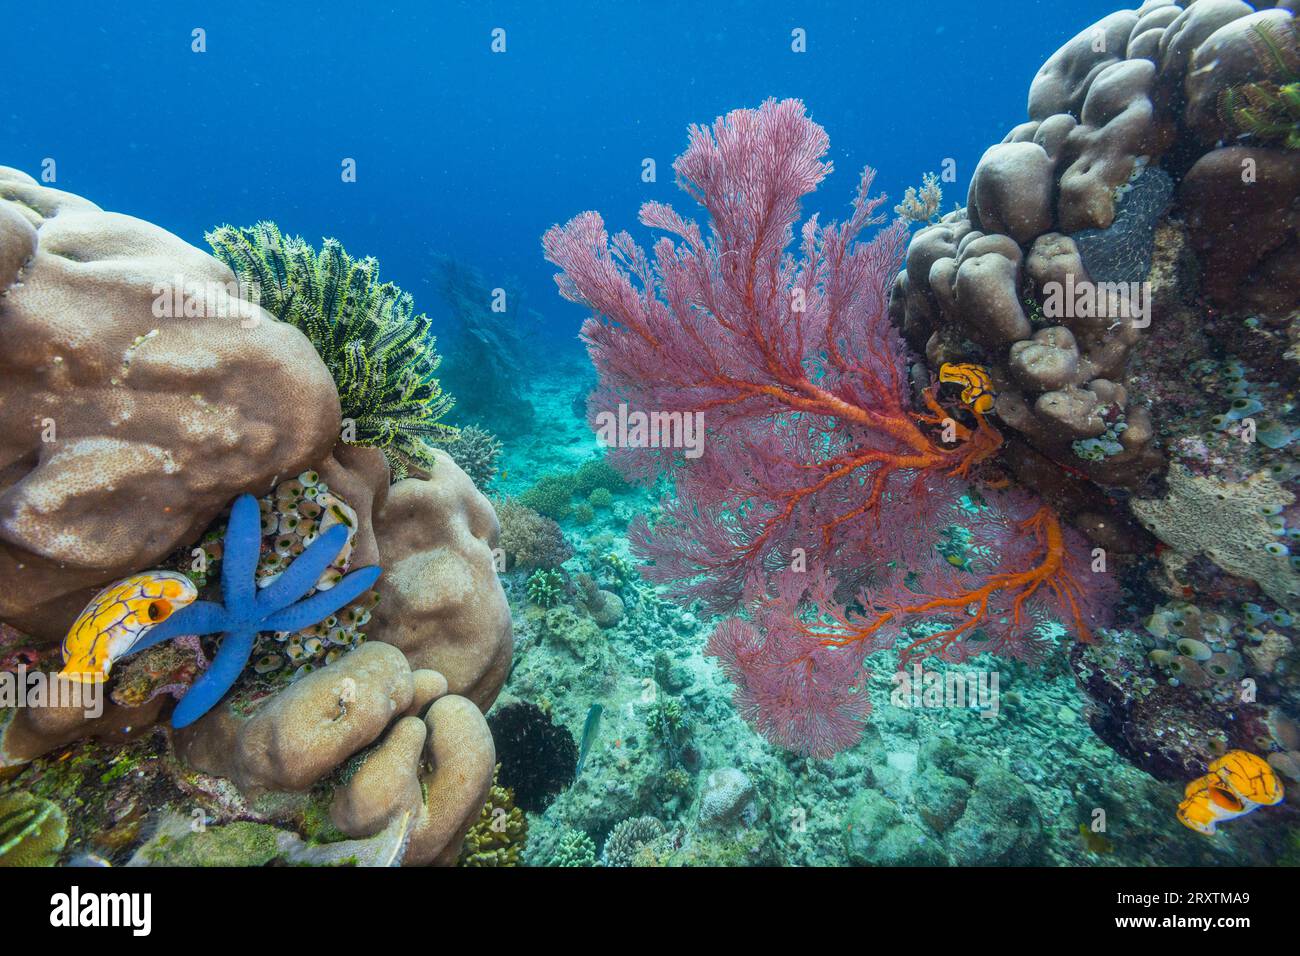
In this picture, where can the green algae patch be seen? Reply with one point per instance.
(235, 844)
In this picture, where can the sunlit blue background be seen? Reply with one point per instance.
(463, 151)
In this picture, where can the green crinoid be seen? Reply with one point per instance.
(1269, 110)
(379, 351)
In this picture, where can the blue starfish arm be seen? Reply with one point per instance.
(201, 617)
(301, 576)
(242, 548)
(212, 684)
(323, 603)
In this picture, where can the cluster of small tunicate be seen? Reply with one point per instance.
(1257, 618)
(1245, 403)
(319, 644)
(1287, 536)
(295, 514)
(1194, 648)
(1103, 446)
(1104, 654)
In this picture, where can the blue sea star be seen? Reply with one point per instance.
(247, 611)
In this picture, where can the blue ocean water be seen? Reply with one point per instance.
(460, 150)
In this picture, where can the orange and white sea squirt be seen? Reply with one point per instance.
(117, 618)
(1238, 783)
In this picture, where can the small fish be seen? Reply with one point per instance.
(589, 731)
(1095, 842)
(977, 388)
(1238, 783)
(116, 620)
(958, 561)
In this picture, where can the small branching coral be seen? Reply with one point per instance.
(551, 496)
(562, 847)
(528, 539)
(378, 350)
(545, 588)
(476, 450)
(629, 838)
(498, 836)
(824, 490)
(921, 207)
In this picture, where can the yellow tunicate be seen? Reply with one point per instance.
(1249, 777)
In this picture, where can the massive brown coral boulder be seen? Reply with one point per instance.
(428, 754)
(28, 732)
(1140, 340)
(453, 739)
(442, 603)
(1117, 125)
(1242, 208)
(306, 730)
(1011, 191)
(1176, 49)
(1040, 278)
(311, 728)
(979, 289)
(1228, 57)
(138, 395)
(1063, 81)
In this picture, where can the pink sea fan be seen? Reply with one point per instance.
(817, 508)
(795, 690)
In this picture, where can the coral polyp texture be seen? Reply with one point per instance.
(824, 483)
